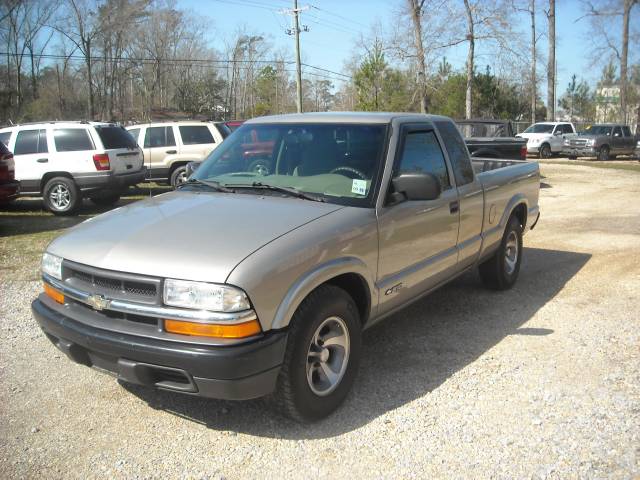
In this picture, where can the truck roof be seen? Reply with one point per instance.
(344, 117)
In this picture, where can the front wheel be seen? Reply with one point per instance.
(500, 272)
(545, 151)
(61, 196)
(322, 355)
(603, 154)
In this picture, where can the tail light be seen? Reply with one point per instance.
(101, 161)
(523, 152)
(7, 167)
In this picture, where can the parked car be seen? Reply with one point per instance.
(605, 141)
(546, 138)
(265, 283)
(64, 161)
(9, 186)
(169, 146)
(492, 139)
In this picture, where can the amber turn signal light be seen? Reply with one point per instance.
(53, 293)
(236, 330)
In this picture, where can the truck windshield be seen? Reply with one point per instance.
(598, 130)
(539, 128)
(338, 162)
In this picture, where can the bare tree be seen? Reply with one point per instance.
(551, 61)
(416, 10)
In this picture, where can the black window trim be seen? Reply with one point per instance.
(417, 127)
(86, 130)
(144, 140)
(39, 133)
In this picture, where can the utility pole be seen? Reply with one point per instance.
(296, 31)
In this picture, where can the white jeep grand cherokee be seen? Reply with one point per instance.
(64, 161)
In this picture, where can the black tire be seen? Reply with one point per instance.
(572, 157)
(61, 196)
(178, 176)
(545, 151)
(294, 396)
(105, 200)
(603, 153)
(497, 272)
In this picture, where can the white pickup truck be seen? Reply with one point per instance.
(546, 138)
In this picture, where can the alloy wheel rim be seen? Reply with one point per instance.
(328, 356)
(60, 197)
(511, 253)
(181, 178)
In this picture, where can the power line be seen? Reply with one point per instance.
(350, 20)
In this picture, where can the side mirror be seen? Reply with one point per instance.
(416, 186)
(192, 167)
(557, 133)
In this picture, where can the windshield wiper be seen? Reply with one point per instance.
(293, 192)
(215, 185)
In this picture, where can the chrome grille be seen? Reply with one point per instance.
(578, 142)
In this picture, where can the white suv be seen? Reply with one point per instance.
(169, 146)
(63, 161)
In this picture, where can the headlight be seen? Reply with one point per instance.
(204, 296)
(566, 142)
(52, 265)
(591, 141)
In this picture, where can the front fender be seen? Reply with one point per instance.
(312, 279)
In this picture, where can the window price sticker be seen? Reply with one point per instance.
(359, 187)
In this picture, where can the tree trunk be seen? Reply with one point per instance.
(628, 4)
(34, 80)
(416, 16)
(551, 65)
(468, 106)
(89, 78)
(532, 11)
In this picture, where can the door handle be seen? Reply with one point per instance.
(171, 151)
(454, 207)
(42, 160)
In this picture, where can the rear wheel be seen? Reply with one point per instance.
(572, 157)
(322, 355)
(61, 196)
(603, 153)
(500, 272)
(545, 151)
(179, 176)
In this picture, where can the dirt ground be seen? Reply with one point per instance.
(542, 381)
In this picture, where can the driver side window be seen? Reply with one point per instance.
(422, 153)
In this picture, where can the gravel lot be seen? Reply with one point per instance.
(542, 381)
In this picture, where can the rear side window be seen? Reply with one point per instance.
(195, 134)
(422, 153)
(457, 150)
(113, 137)
(135, 133)
(4, 138)
(626, 131)
(31, 141)
(72, 139)
(159, 137)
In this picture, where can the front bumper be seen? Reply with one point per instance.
(237, 372)
(9, 191)
(109, 180)
(578, 151)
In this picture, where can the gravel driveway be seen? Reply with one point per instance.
(542, 381)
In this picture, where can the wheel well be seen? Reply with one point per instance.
(520, 212)
(602, 146)
(357, 288)
(49, 175)
(175, 165)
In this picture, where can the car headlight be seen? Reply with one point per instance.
(204, 296)
(591, 141)
(52, 265)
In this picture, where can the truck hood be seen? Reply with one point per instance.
(186, 235)
(534, 136)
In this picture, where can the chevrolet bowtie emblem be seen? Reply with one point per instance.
(98, 302)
